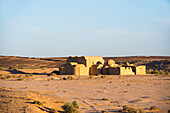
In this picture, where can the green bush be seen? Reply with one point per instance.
(155, 72)
(20, 76)
(90, 77)
(104, 111)
(20, 79)
(64, 78)
(79, 78)
(13, 68)
(37, 102)
(162, 72)
(70, 78)
(132, 109)
(105, 99)
(1, 75)
(3, 78)
(53, 111)
(28, 75)
(103, 76)
(9, 76)
(154, 108)
(75, 104)
(151, 71)
(69, 107)
(167, 73)
(128, 84)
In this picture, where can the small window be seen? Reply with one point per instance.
(99, 62)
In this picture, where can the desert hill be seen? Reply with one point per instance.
(152, 62)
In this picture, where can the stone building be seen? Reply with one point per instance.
(93, 65)
(80, 65)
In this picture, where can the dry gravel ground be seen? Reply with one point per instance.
(94, 95)
(16, 101)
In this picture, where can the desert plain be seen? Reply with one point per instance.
(24, 80)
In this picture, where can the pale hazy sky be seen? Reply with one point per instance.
(84, 27)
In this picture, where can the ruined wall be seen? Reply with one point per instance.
(105, 70)
(80, 69)
(91, 60)
(81, 60)
(70, 71)
(114, 71)
(62, 70)
(71, 59)
(88, 61)
(96, 69)
(70, 68)
(126, 71)
(140, 70)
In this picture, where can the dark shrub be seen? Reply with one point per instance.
(103, 76)
(70, 78)
(69, 107)
(20, 79)
(64, 78)
(3, 78)
(53, 111)
(37, 102)
(105, 99)
(9, 76)
(132, 109)
(90, 77)
(154, 108)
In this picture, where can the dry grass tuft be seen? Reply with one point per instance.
(53, 111)
(105, 99)
(104, 111)
(154, 108)
(37, 102)
(130, 109)
(69, 107)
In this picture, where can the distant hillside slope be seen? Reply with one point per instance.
(152, 62)
(29, 62)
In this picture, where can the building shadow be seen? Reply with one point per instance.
(14, 71)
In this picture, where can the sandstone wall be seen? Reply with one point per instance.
(80, 69)
(140, 70)
(126, 71)
(114, 71)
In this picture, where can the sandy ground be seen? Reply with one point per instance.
(94, 95)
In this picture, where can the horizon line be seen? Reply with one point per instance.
(87, 55)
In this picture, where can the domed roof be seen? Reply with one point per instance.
(110, 62)
(106, 66)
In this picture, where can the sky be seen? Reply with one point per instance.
(51, 28)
